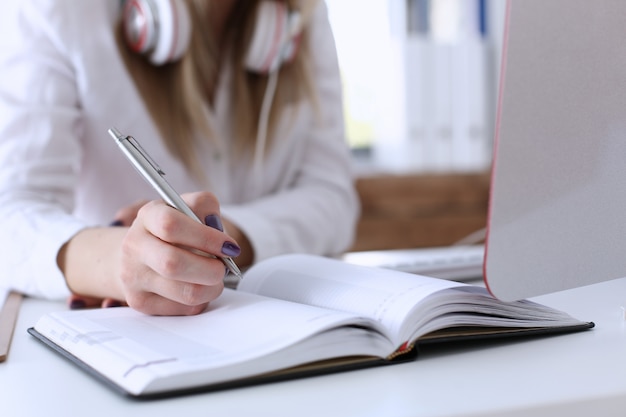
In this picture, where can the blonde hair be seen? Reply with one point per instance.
(177, 94)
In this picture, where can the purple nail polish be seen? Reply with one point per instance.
(230, 249)
(77, 304)
(214, 221)
(112, 304)
(116, 223)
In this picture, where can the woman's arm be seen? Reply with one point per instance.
(44, 247)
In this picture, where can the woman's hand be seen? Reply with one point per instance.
(160, 265)
(164, 267)
(124, 217)
(127, 215)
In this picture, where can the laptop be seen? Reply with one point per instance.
(557, 213)
(456, 262)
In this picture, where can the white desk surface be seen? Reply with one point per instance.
(571, 375)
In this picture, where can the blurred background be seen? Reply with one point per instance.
(420, 80)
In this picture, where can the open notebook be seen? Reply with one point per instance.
(292, 315)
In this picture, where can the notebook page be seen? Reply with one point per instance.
(382, 295)
(134, 349)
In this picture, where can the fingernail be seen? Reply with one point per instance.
(230, 249)
(116, 223)
(77, 304)
(112, 303)
(214, 221)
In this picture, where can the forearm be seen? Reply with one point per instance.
(89, 262)
(317, 220)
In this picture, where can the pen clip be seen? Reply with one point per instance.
(143, 153)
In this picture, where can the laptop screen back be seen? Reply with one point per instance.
(557, 216)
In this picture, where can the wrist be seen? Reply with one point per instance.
(90, 262)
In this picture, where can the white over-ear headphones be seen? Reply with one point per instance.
(161, 29)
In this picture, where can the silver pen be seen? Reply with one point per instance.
(154, 175)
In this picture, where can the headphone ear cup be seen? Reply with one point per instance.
(139, 25)
(174, 31)
(160, 29)
(273, 40)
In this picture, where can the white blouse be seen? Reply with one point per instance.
(63, 84)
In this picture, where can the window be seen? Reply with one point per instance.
(419, 80)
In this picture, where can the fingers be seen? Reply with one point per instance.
(76, 302)
(165, 269)
(174, 297)
(174, 227)
(112, 302)
(167, 285)
(126, 215)
(150, 304)
(156, 305)
(172, 262)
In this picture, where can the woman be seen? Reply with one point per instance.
(281, 173)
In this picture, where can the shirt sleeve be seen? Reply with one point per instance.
(39, 151)
(317, 213)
